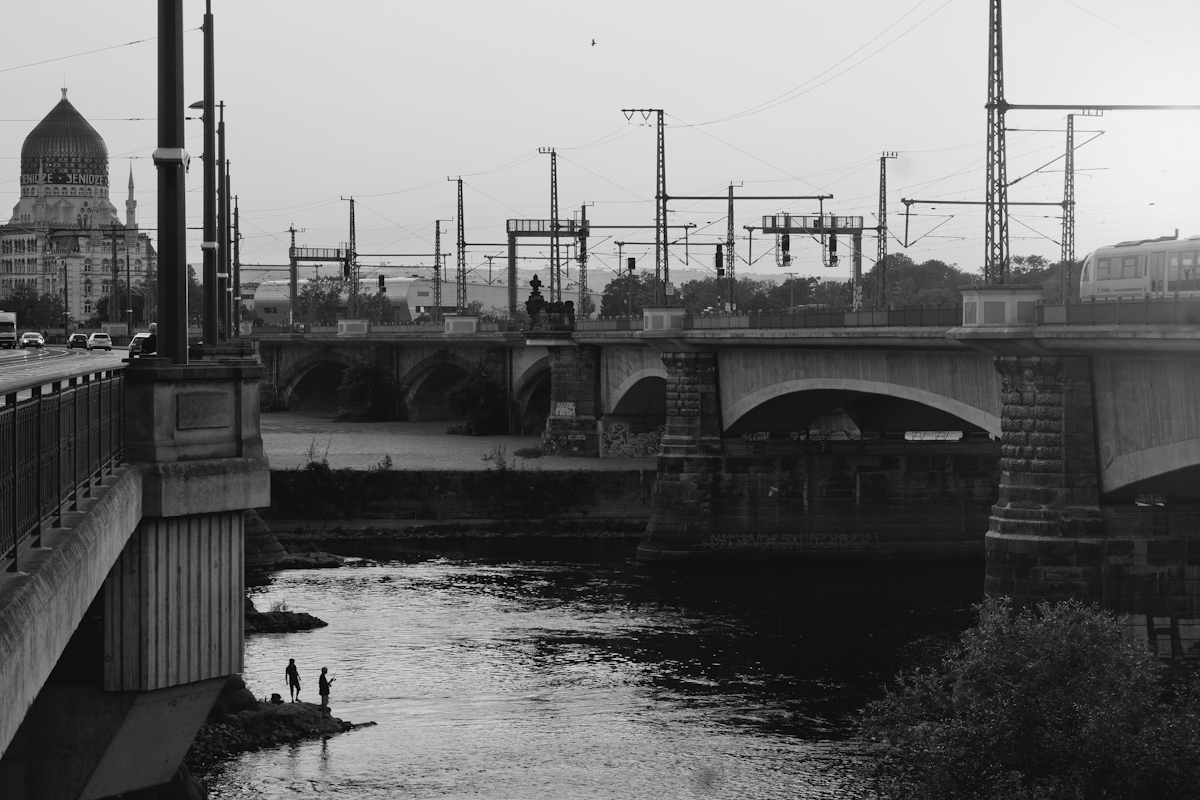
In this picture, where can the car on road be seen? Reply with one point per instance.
(135, 344)
(32, 339)
(99, 341)
(77, 340)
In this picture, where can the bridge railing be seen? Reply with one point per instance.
(56, 440)
(943, 316)
(1173, 310)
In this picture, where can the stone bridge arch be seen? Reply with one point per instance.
(424, 384)
(299, 369)
(531, 395)
(913, 391)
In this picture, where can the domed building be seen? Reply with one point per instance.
(65, 231)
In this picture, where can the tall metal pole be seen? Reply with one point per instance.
(128, 289)
(352, 260)
(223, 276)
(881, 244)
(462, 254)
(169, 161)
(583, 256)
(995, 267)
(1067, 259)
(555, 289)
(237, 266)
(209, 245)
(293, 292)
(114, 297)
(661, 261)
(662, 269)
(437, 271)
(730, 269)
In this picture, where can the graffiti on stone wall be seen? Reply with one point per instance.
(618, 442)
(791, 541)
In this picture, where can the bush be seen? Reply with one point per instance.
(1047, 705)
(365, 394)
(480, 399)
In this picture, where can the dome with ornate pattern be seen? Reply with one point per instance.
(64, 149)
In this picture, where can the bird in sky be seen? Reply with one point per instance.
(593, 42)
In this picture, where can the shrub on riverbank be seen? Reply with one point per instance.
(1047, 705)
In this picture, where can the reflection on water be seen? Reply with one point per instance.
(604, 679)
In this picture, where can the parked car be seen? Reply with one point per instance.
(99, 341)
(32, 339)
(135, 344)
(77, 340)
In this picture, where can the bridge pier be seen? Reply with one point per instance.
(1067, 523)
(572, 428)
(1053, 537)
(121, 634)
(687, 492)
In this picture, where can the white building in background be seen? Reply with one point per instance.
(64, 226)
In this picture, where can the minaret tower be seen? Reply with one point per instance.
(130, 205)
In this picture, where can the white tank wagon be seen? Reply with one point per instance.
(1162, 267)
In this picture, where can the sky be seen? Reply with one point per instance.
(384, 100)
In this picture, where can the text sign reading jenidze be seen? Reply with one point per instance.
(203, 410)
(64, 177)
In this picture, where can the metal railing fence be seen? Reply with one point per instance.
(55, 444)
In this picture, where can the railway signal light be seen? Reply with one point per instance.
(785, 245)
(631, 262)
(833, 257)
(346, 269)
(382, 287)
(719, 260)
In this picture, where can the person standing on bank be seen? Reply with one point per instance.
(323, 687)
(293, 679)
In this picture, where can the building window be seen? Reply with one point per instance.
(87, 308)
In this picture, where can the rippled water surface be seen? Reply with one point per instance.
(591, 678)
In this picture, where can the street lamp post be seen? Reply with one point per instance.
(66, 307)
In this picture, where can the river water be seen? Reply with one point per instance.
(590, 676)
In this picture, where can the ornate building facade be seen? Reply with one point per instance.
(65, 233)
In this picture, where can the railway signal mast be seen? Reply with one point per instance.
(881, 246)
(996, 222)
(662, 270)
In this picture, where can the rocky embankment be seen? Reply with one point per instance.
(239, 723)
(279, 621)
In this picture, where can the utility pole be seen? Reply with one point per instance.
(437, 271)
(995, 236)
(730, 282)
(662, 270)
(237, 267)
(583, 255)
(555, 269)
(351, 270)
(114, 298)
(170, 160)
(223, 256)
(293, 293)
(881, 245)
(209, 333)
(1067, 258)
(461, 254)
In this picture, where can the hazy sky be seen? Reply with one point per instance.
(384, 99)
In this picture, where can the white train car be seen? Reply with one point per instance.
(1160, 267)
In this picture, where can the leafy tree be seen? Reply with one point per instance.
(480, 398)
(35, 310)
(931, 282)
(1055, 704)
(614, 301)
(318, 300)
(374, 307)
